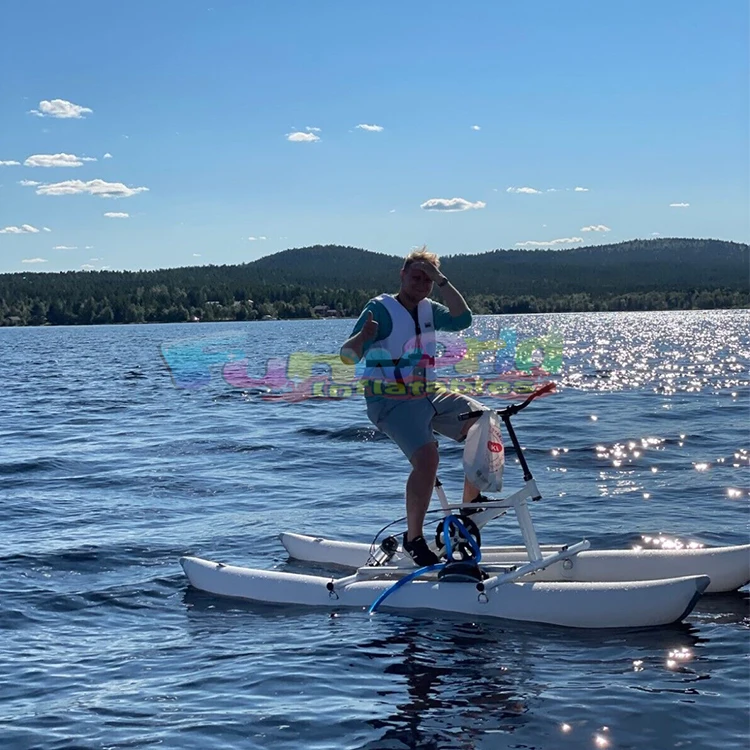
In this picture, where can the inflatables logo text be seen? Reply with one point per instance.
(505, 365)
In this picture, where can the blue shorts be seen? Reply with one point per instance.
(410, 423)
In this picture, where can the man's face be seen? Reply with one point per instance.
(415, 283)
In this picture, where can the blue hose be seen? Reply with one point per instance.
(400, 583)
(451, 519)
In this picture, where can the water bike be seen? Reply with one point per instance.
(567, 585)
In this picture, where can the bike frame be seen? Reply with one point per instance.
(518, 501)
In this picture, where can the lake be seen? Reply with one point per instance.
(124, 448)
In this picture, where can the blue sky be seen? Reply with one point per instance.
(507, 106)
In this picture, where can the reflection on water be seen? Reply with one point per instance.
(460, 685)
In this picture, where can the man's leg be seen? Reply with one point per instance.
(409, 424)
(419, 487)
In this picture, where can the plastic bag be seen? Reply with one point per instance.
(484, 455)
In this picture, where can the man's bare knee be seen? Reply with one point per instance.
(426, 458)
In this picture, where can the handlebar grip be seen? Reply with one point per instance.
(469, 414)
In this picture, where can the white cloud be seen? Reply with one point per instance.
(392, 211)
(94, 260)
(89, 247)
(46, 229)
(61, 109)
(299, 137)
(34, 260)
(312, 130)
(450, 204)
(23, 229)
(196, 255)
(29, 183)
(87, 267)
(550, 243)
(254, 239)
(56, 160)
(552, 190)
(527, 190)
(117, 215)
(107, 156)
(656, 234)
(371, 128)
(596, 228)
(92, 187)
(580, 190)
(10, 163)
(679, 205)
(476, 127)
(65, 247)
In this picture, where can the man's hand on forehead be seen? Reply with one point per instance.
(427, 268)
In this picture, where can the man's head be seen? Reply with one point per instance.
(415, 282)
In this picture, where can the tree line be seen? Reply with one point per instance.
(322, 281)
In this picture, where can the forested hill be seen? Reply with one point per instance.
(635, 266)
(637, 275)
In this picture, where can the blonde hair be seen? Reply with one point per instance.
(422, 254)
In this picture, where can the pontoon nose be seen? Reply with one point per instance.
(702, 583)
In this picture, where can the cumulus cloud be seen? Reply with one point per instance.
(65, 247)
(34, 260)
(57, 160)
(550, 243)
(61, 109)
(10, 163)
(595, 228)
(87, 267)
(656, 234)
(300, 137)
(679, 205)
(92, 187)
(196, 255)
(29, 183)
(46, 229)
(23, 229)
(527, 190)
(254, 239)
(107, 156)
(476, 127)
(312, 130)
(371, 128)
(581, 190)
(450, 204)
(117, 215)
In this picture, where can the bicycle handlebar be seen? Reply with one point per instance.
(509, 411)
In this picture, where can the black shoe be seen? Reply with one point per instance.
(418, 550)
(479, 500)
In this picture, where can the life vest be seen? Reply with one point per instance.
(408, 354)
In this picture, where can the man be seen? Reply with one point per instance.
(395, 334)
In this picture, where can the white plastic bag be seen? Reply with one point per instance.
(484, 455)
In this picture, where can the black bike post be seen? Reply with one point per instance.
(521, 458)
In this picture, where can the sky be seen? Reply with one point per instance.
(146, 135)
